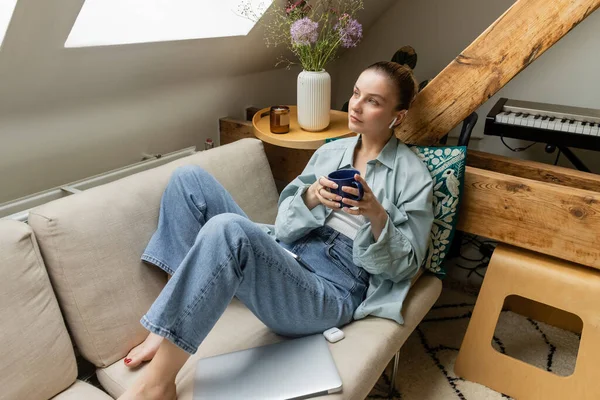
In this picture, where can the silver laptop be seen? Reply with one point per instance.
(292, 369)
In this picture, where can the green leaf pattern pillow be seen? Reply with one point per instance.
(447, 168)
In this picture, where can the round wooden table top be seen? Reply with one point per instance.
(297, 138)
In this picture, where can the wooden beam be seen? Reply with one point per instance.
(551, 219)
(534, 170)
(515, 40)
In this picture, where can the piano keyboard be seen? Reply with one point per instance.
(548, 116)
(546, 123)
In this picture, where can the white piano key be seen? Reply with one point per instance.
(544, 124)
(524, 121)
(572, 126)
(587, 129)
(552, 126)
(537, 123)
(564, 126)
(530, 121)
(511, 118)
(518, 121)
(578, 127)
(595, 130)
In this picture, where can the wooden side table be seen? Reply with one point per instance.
(297, 138)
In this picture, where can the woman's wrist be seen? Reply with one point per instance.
(310, 198)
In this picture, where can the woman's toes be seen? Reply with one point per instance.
(144, 351)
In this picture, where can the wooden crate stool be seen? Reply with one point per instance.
(547, 280)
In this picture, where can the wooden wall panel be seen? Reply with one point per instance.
(534, 170)
(560, 221)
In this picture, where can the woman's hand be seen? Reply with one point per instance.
(369, 206)
(318, 193)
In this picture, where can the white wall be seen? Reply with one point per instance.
(45, 149)
(566, 74)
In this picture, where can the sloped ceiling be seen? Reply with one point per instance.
(37, 72)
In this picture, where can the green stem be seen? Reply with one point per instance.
(331, 50)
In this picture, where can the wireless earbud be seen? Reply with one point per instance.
(393, 122)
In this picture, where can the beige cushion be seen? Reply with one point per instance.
(37, 359)
(92, 242)
(360, 357)
(82, 391)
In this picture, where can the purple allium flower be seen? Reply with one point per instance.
(350, 31)
(304, 31)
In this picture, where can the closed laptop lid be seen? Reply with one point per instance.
(291, 369)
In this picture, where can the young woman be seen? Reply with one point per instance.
(353, 261)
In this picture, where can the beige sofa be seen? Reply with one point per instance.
(90, 245)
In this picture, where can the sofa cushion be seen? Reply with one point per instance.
(37, 355)
(82, 391)
(92, 242)
(360, 357)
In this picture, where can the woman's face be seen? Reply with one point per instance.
(372, 106)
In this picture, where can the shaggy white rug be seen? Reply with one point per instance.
(426, 369)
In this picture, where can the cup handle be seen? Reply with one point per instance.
(361, 192)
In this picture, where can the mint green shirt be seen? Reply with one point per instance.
(403, 186)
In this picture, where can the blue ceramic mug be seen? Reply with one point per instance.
(345, 177)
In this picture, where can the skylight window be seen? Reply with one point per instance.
(6, 11)
(112, 22)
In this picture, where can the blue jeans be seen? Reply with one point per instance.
(214, 252)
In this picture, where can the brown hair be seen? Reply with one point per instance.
(403, 80)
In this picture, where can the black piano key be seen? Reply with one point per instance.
(563, 120)
(552, 119)
(518, 114)
(525, 115)
(572, 121)
(593, 125)
(537, 117)
(545, 118)
(583, 123)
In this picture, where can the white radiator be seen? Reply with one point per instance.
(19, 209)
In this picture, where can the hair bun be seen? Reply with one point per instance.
(406, 55)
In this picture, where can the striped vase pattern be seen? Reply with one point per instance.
(314, 100)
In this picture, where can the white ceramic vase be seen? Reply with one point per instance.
(314, 100)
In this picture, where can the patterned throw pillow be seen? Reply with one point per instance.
(447, 168)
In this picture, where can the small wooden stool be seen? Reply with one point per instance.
(547, 280)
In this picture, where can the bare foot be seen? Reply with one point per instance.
(147, 390)
(145, 351)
